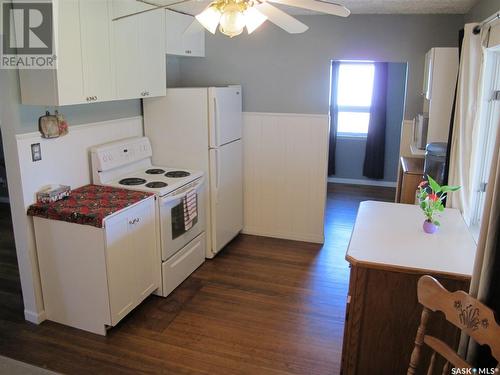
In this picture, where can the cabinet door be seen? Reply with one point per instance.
(174, 29)
(429, 62)
(69, 54)
(194, 42)
(127, 58)
(96, 53)
(120, 259)
(179, 43)
(142, 235)
(133, 262)
(152, 53)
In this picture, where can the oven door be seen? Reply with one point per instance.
(173, 231)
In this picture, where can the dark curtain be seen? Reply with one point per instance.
(375, 140)
(333, 118)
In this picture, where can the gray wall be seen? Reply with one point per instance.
(291, 73)
(350, 152)
(27, 115)
(482, 10)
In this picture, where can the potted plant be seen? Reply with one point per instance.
(430, 197)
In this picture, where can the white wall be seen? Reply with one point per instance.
(66, 161)
(285, 180)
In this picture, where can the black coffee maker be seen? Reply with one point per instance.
(435, 161)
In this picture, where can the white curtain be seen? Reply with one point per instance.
(466, 122)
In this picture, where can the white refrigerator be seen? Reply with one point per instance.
(201, 128)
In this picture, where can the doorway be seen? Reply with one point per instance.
(366, 96)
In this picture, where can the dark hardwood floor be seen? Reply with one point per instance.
(263, 306)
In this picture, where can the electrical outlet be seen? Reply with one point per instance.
(36, 152)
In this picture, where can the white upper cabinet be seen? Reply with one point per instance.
(180, 43)
(152, 52)
(99, 59)
(82, 49)
(139, 52)
(96, 55)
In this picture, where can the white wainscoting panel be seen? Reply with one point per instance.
(66, 161)
(285, 178)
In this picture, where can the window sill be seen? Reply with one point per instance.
(351, 137)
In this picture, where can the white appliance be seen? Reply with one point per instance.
(420, 127)
(180, 203)
(201, 128)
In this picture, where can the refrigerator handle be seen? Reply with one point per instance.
(217, 161)
(216, 124)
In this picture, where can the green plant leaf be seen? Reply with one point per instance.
(450, 188)
(433, 184)
(437, 223)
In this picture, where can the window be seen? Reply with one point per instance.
(353, 90)
(489, 116)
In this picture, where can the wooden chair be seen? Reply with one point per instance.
(463, 311)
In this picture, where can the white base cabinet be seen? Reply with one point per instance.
(93, 277)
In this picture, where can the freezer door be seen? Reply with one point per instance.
(226, 120)
(226, 193)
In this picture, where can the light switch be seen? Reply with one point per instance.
(36, 152)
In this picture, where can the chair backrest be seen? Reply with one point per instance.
(463, 311)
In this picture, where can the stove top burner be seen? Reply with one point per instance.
(177, 174)
(155, 171)
(132, 181)
(156, 184)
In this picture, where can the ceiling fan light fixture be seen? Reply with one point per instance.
(233, 20)
(254, 19)
(210, 18)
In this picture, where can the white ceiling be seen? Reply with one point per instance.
(361, 6)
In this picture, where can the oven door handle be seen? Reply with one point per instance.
(168, 199)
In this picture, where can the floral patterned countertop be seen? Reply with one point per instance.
(88, 205)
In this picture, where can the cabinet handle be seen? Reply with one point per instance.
(188, 51)
(135, 221)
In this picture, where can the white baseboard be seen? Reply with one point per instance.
(354, 181)
(34, 317)
(285, 236)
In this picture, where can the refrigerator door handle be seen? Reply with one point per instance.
(216, 124)
(217, 162)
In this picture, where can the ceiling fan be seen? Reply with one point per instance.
(233, 16)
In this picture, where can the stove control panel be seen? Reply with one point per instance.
(120, 153)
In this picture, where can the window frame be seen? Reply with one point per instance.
(349, 108)
(489, 112)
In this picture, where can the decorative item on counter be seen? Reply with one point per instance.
(430, 197)
(53, 193)
(63, 125)
(48, 125)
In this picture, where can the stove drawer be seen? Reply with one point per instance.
(184, 263)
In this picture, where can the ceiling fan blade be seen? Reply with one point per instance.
(316, 5)
(282, 19)
(155, 7)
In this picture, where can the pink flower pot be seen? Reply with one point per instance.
(429, 227)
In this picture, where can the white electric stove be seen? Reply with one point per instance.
(180, 197)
